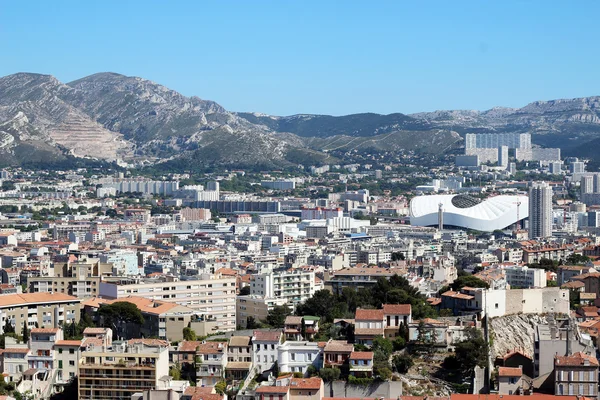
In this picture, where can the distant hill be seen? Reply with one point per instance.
(108, 116)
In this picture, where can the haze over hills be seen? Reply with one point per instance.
(114, 117)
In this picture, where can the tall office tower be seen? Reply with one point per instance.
(577, 167)
(555, 167)
(440, 216)
(503, 156)
(587, 184)
(540, 210)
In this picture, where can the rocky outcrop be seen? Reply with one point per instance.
(514, 332)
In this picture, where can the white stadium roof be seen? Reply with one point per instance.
(497, 212)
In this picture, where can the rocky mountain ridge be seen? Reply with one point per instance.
(110, 116)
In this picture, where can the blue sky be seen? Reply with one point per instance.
(327, 57)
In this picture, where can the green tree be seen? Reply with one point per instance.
(221, 387)
(120, 313)
(252, 323)
(330, 374)
(276, 317)
(402, 363)
(25, 333)
(471, 352)
(384, 345)
(189, 334)
(470, 281)
(175, 372)
(8, 327)
(245, 291)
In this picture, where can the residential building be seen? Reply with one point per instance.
(265, 345)
(525, 277)
(211, 369)
(212, 298)
(257, 307)
(297, 356)
(369, 324)
(355, 278)
(576, 375)
(293, 285)
(394, 315)
(540, 210)
(239, 358)
(44, 310)
(306, 389)
(67, 353)
(510, 380)
(79, 279)
(337, 353)
(361, 364)
(161, 319)
(300, 328)
(124, 369)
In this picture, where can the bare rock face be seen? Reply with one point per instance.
(514, 332)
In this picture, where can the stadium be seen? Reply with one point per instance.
(463, 211)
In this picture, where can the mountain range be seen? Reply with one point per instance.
(108, 116)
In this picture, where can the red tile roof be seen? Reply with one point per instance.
(508, 371)
(306, 383)
(576, 360)
(397, 309)
(369, 315)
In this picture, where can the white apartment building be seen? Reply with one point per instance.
(257, 307)
(295, 356)
(525, 277)
(212, 297)
(264, 346)
(294, 285)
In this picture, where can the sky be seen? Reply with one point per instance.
(285, 57)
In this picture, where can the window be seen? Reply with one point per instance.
(60, 364)
(59, 351)
(71, 351)
(71, 363)
(293, 355)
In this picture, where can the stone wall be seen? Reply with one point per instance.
(391, 389)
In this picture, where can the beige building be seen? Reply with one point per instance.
(212, 299)
(257, 307)
(80, 279)
(67, 353)
(45, 310)
(125, 369)
(576, 375)
(510, 380)
(161, 319)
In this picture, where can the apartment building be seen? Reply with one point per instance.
(80, 279)
(294, 285)
(297, 356)
(14, 360)
(213, 357)
(161, 319)
(265, 345)
(67, 353)
(213, 298)
(41, 344)
(45, 310)
(525, 277)
(257, 307)
(355, 278)
(124, 369)
(239, 358)
(576, 375)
